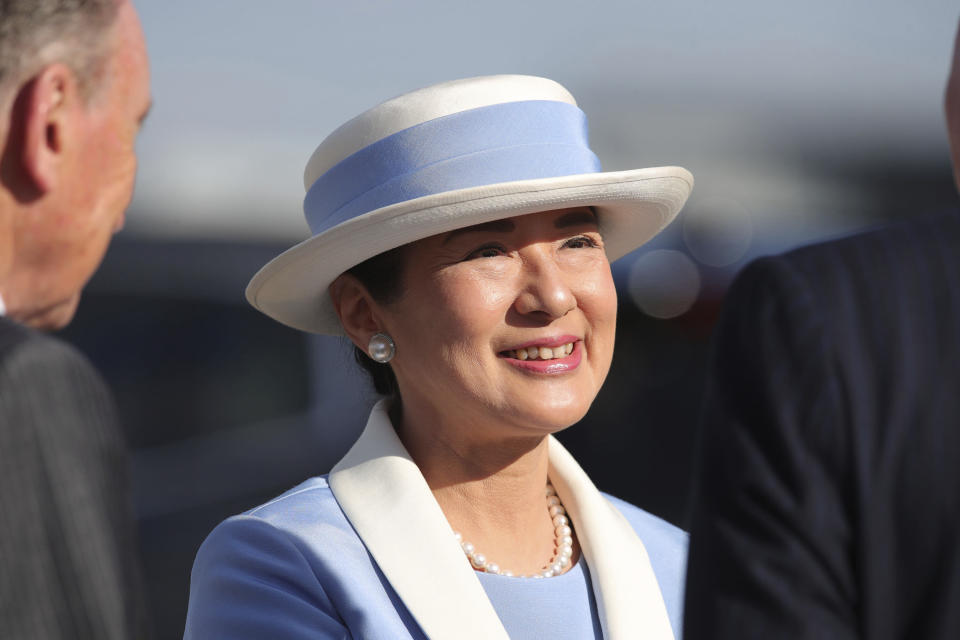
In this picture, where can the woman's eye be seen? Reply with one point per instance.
(488, 251)
(581, 242)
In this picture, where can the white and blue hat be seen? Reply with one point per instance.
(449, 156)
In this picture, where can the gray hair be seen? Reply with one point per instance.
(35, 33)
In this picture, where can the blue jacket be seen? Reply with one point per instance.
(367, 553)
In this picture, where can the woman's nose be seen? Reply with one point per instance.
(547, 289)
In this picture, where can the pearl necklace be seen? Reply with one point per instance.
(563, 545)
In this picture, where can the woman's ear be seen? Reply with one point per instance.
(355, 308)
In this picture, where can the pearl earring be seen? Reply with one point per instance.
(381, 348)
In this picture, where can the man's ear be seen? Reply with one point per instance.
(48, 107)
(952, 108)
(355, 308)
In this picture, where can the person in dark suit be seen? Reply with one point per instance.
(74, 87)
(828, 501)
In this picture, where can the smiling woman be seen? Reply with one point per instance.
(532, 283)
(462, 239)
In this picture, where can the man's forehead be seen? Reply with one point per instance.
(130, 63)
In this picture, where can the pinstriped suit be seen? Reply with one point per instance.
(67, 563)
(828, 504)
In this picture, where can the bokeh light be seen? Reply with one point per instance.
(664, 283)
(717, 231)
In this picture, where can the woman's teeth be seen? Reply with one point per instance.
(542, 353)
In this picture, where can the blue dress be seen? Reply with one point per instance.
(558, 608)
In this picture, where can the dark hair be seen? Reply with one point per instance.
(35, 33)
(382, 276)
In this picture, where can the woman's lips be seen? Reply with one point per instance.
(562, 357)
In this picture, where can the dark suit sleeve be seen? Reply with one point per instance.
(770, 534)
(68, 564)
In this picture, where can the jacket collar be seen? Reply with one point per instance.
(378, 483)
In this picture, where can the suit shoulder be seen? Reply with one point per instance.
(911, 246)
(34, 370)
(237, 537)
(251, 579)
(850, 283)
(306, 514)
(13, 334)
(25, 353)
(284, 528)
(311, 495)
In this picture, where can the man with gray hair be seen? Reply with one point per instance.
(74, 89)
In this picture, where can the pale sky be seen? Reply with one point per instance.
(244, 90)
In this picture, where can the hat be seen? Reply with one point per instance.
(445, 157)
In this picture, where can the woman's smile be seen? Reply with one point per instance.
(551, 356)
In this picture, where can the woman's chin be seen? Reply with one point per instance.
(556, 399)
(552, 417)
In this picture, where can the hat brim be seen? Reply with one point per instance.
(632, 206)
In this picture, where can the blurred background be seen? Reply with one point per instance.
(800, 121)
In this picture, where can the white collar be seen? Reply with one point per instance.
(377, 482)
(3, 307)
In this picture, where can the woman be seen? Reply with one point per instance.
(461, 238)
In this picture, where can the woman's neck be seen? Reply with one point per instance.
(491, 489)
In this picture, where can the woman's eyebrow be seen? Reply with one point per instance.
(576, 218)
(499, 226)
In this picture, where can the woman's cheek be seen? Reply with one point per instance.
(481, 295)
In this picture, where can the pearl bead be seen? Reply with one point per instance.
(381, 348)
(563, 544)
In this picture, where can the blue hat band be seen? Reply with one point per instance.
(488, 145)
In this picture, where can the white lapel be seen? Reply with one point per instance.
(628, 596)
(376, 484)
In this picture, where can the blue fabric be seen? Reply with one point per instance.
(562, 608)
(294, 568)
(488, 145)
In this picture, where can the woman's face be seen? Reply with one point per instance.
(509, 323)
